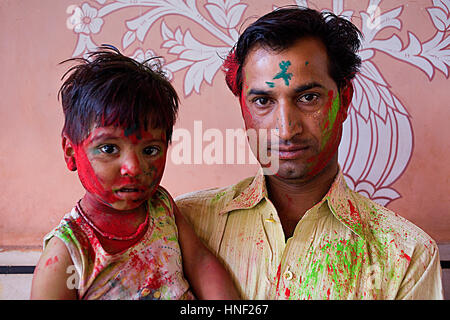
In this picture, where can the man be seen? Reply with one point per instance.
(299, 232)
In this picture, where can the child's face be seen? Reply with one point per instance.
(121, 168)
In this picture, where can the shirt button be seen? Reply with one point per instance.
(271, 219)
(145, 292)
(288, 275)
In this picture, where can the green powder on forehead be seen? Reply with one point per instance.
(283, 74)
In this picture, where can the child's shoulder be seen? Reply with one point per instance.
(162, 198)
(162, 193)
(67, 229)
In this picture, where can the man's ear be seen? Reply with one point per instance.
(346, 93)
(69, 153)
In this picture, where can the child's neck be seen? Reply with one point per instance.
(120, 223)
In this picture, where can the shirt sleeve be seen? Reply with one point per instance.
(423, 278)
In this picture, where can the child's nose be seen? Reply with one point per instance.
(131, 165)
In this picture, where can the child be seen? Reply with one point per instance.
(122, 240)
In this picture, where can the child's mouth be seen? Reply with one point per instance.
(130, 192)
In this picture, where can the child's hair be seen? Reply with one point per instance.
(109, 88)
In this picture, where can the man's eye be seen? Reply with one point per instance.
(308, 98)
(261, 101)
(109, 149)
(151, 151)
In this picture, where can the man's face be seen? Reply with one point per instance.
(292, 92)
(121, 168)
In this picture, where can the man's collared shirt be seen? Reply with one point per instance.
(345, 247)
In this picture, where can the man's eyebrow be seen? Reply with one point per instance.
(299, 89)
(308, 86)
(259, 92)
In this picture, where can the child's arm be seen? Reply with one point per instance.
(205, 273)
(50, 276)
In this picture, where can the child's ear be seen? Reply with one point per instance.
(69, 153)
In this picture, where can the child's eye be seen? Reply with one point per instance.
(151, 151)
(109, 149)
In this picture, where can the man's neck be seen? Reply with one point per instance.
(292, 198)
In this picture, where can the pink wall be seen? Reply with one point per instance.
(395, 144)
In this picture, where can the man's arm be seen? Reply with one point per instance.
(423, 279)
(50, 276)
(205, 273)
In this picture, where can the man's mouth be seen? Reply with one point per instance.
(291, 152)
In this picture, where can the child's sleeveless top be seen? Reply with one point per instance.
(150, 269)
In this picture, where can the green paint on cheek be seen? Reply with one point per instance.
(306, 63)
(95, 151)
(334, 110)
(329, 124)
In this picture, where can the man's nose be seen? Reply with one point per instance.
(131, 165)
(288, 120)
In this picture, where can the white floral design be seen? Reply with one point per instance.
(377, 142)
(85, 19)
(203, 61)
(140, 55)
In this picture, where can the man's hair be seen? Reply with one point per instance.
(109, 88)
(281, 28)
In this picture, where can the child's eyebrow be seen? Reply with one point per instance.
(111, 136)
(104, 136)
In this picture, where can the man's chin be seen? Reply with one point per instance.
(289, 170)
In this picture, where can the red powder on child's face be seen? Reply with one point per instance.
(121, 170)
(88, 177)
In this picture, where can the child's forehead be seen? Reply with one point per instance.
(118, 132)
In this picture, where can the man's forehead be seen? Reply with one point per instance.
(301, 48)
(306, 58)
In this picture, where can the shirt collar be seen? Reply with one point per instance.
(343, 204)
(250, 196)
(339, 199)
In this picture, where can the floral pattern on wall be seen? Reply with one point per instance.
(377, 143)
